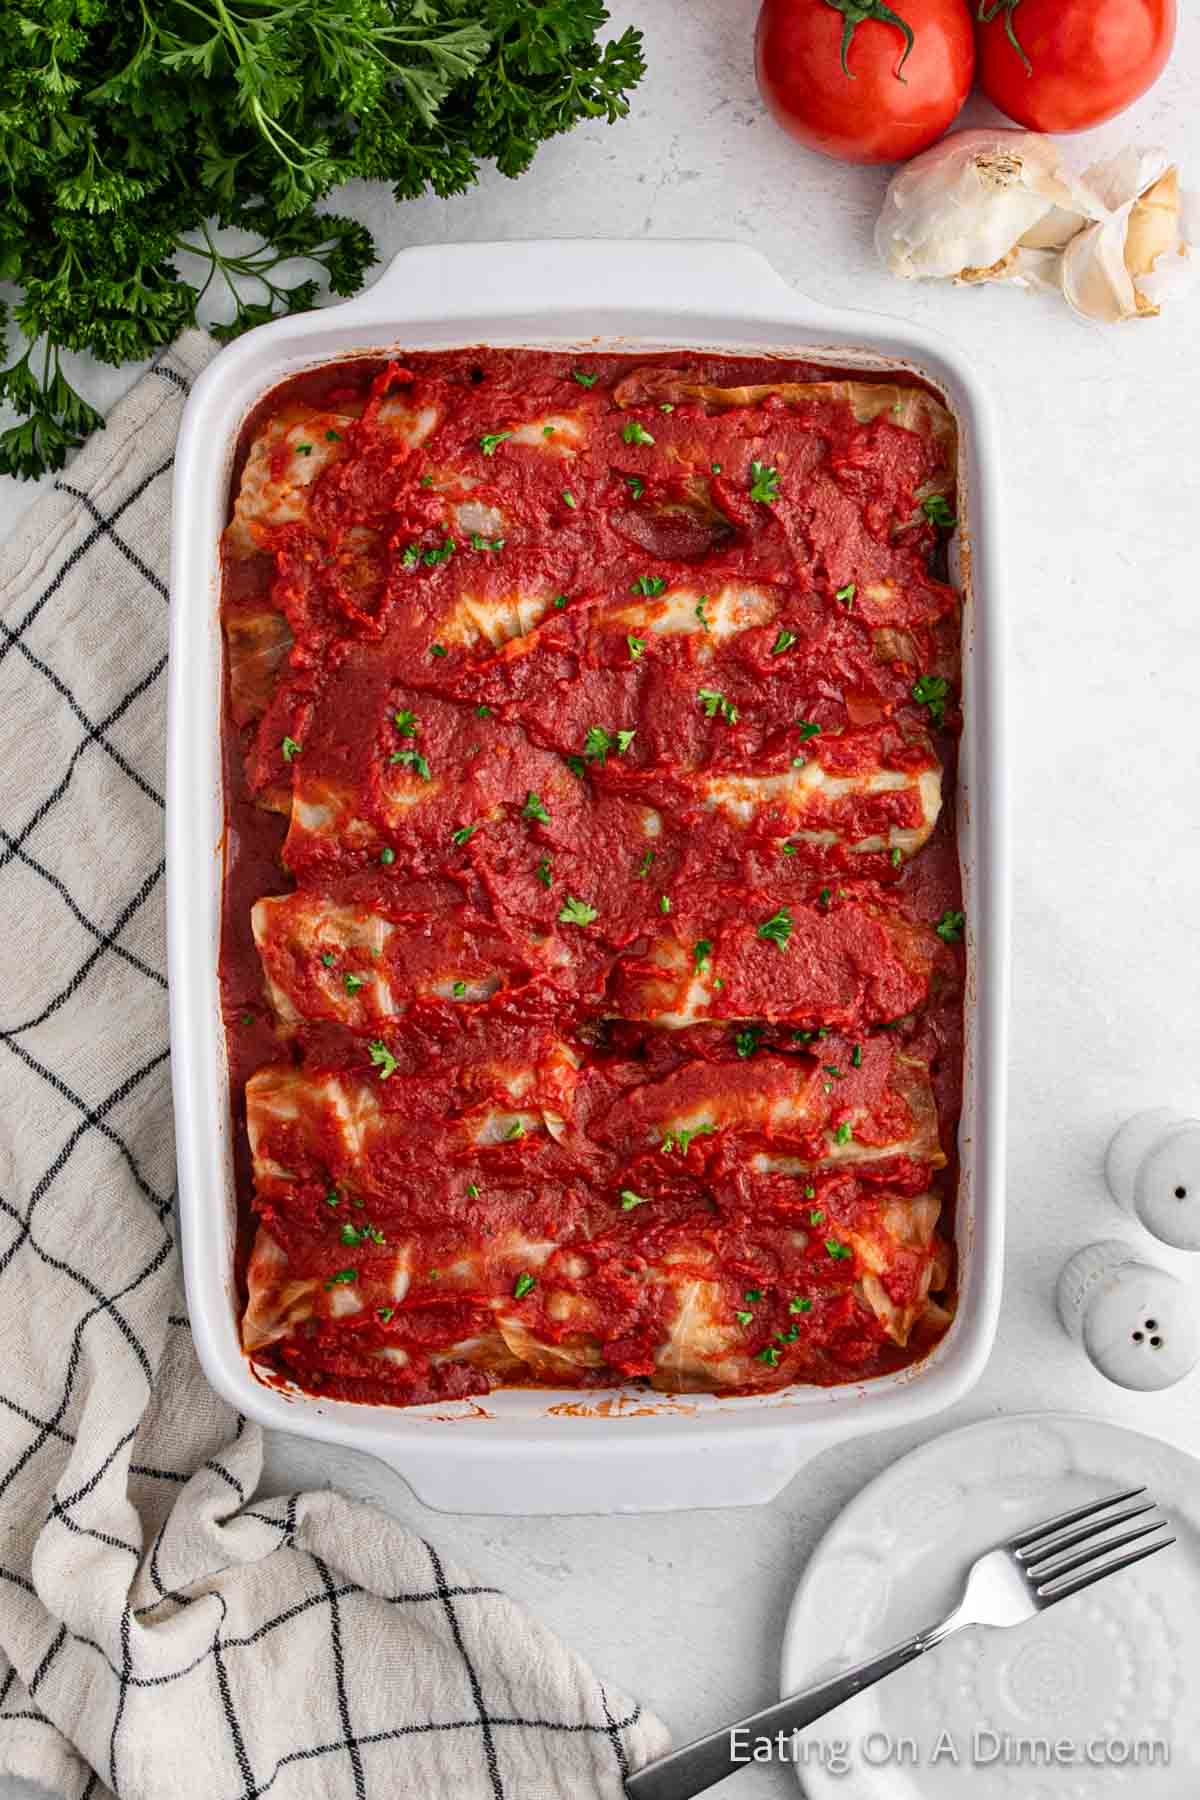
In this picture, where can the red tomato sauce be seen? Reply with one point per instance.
(575, 855)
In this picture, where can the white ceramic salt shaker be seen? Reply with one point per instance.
(1153, 1171)
(1139, 1325)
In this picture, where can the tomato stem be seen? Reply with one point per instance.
(855, 11)
(988, 10)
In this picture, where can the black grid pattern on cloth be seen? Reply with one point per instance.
(168, 1605)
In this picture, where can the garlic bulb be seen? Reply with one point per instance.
(1124, 265)
(983, 206)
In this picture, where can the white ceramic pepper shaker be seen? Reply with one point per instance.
(1139, 1325)
(1153, 1171)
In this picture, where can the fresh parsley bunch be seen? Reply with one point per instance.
(129, 128)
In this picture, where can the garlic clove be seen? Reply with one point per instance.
(1124, 266)
(962, 208)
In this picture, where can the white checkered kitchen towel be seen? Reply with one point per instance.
(160, 1633)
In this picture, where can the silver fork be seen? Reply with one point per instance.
(1006, 1586)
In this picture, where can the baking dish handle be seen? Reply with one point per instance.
(583, 1475)
(682, 278)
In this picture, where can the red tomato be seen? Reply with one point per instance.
(1065, 65)
(863, 80)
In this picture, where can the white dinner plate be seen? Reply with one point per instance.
(1112, 1674)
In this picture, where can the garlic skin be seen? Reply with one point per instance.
(983, 206)
(1125, 265)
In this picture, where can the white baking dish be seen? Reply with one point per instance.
(530, 1450)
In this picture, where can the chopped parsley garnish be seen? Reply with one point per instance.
(333, 437)
(637, 486)
(561, 600)
(770, 1356)
(846, 595)
(387, 856)
(856, 1057)
(714, 703)
(585, 381)
(783, 642)
(807, 730)
(464, 834)
(817, 1216)
(524, 1284)
(938, 511)
(932, 691)
(777, 929)
(548, 431)
(533, 809)
(844, 1133)
(715, 467)
(664, 903)
(576, 765)
(832, 1069)
(472, 1191)
(406, 723)
(411, 557)
(332, 1197)
(650, 585)
(328, 958)
(352, 983)
(950, 927)
(515, 1130)
(896, 858)
(479, 542)
(666, 406)
(384, 1313)
(746, 1042)
(542, 872)
(764, 483)
(483, 712)
(427, 481)
(824, 897)
(807, 1037)
(569, 498)
(411, 759)
(341, 1278)
(753, 1295)
(636, 646)
(680, 1139)
(441, 554)
(839, 1252)
(353, 1235)
(702, 952)
(382, 1059)
(290, 748)
(629, 1199)
(643, 867)
(700, 606)
(744, 1318)
(459, 989)
(634, 433)
(799, 762)
(576, 912)
(304, 449)
(438, 650)
(599, 742)
(491, 441)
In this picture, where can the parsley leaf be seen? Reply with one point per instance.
(491, 441)
(585, 381)
(950, 927)
(576, 912)
(938, 511)
(777, 929)
(783, 642)
(636, 646)
(846, 595)
(702, 952)
(932, 691)
(764, 483)
(533, 809)
(382, 1059)
(290, 749)
(746, 1042)
(636, 485)
(524, 1284)
(463, 835)
(629, 1199)
(715, 703)
(542, 872)
(411, 759)
(634, 433)
(681, 1138)
(650, 585)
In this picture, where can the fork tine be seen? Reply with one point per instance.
(1054, 1546)
(1048, 1527)
(1086, 1581)
(1058, 1566)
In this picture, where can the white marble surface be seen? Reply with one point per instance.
(1099, 441)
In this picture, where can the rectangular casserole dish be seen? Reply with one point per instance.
(527, 1450)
